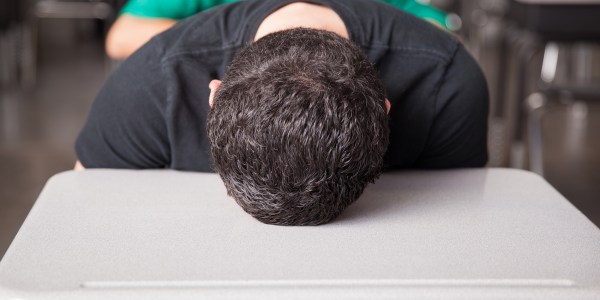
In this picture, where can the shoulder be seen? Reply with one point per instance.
(203, 43)
(217, 28)
(383, 26)
(462, 83)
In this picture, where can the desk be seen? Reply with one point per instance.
(468, 234)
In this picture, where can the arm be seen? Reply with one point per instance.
(126, 126)
(130, 32)
(458, 136)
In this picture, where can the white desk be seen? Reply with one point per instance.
(462, 234)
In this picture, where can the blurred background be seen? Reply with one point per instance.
(541, 59)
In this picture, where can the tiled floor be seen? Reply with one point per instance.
(38, 128)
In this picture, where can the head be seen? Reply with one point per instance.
(298, 126)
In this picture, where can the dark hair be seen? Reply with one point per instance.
(298, 127)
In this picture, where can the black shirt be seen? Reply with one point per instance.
(151, 112)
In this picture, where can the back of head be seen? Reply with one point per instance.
(298, 127)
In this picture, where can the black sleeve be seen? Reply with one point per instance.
(458, 136)
(126, 125)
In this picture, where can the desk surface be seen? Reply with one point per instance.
(106, 234)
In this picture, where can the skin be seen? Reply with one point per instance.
(78, 166)
(129, 33)
(302, 14)
(294, 15)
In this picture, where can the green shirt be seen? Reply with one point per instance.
(180, 9)
(169, 9)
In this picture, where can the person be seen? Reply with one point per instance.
(140, 20)
(299, 124)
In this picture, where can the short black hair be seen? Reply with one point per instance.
(299, 127)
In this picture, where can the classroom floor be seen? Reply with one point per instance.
(38, 128)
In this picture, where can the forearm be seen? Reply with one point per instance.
(129, 33)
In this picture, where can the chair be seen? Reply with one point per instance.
(58, 9)
(550, 29)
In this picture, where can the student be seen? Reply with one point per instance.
(140, 20)
(315, 99)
